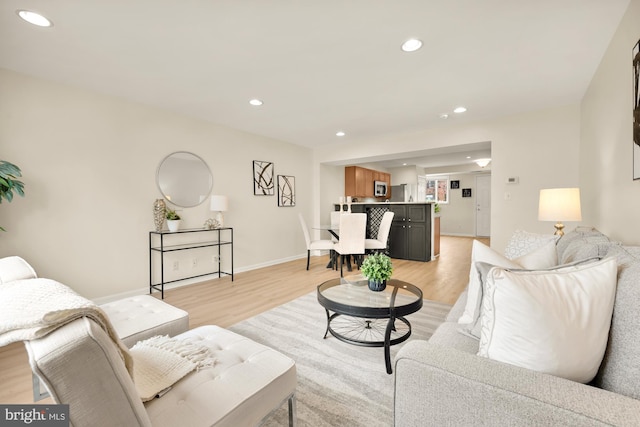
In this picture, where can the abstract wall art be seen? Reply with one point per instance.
(263, 184)
(286, 190)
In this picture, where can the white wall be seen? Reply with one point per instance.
(89, 164)
(457, 218)
(541, 148)
(610, 196)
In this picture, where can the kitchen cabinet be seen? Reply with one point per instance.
(358, 181)
(410, 236)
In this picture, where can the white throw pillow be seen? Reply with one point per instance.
(543, 257)
(556, 322)
(523, 242)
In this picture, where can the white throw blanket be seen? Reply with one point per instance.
(30, 309)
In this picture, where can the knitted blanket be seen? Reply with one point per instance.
(33, 308)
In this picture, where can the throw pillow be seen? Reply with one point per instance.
(473, 329)
(522, 242)
(553, 322)
(543, 257)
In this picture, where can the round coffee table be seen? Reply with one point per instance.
(367, 318)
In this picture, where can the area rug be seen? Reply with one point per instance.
(339, 384)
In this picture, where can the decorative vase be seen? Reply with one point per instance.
(173, 224)
(377, 286)
(159, 208)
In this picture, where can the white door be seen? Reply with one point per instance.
(483, 206)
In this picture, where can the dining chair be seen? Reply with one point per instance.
(313, 245)
(335, 224)
(353, 230)
(379, 244)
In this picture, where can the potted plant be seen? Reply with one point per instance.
(377, 269)
(173, 220)
(8, 182)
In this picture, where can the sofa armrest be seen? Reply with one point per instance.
(439, 385)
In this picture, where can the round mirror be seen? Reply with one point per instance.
(184, 179)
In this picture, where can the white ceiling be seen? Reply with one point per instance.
(319, 66)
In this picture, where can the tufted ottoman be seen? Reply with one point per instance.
(247, 383)
(135, 319)
(141, 317)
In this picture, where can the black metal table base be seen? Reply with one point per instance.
(369, 332)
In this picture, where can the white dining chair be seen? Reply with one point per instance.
(335, 223)
(379, 244)
(313, 245)
(353, 230)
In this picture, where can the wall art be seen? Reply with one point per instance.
(455, 184)
(286, 190)
(263, 184)
(466, 192)
(636, 111)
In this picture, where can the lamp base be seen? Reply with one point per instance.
(220, 219)
(559, 229)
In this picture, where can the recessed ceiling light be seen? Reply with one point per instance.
(255, 102)
(468, 157)
(340, 133)
(411, 45)
(34, 18)
(404, 164)
(444, 116)
(460, 110)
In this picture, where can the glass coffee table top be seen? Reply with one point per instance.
(360, 316)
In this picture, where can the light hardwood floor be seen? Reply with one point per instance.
(223, 302)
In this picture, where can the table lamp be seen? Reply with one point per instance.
(219, 204)
(559, 204)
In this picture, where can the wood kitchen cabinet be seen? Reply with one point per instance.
(358, 181)
(410, 236)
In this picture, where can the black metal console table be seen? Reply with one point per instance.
(158, 242)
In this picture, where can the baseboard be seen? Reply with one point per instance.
(458, 234)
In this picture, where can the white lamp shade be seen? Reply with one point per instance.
(559, 204)
(219, 203)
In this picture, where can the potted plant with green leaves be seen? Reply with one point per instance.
(9, 184)
(173, 220)
(377, 269)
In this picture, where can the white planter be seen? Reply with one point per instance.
(173, 224)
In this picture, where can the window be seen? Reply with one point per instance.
(437, 190)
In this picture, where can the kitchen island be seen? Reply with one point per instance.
(412, 232)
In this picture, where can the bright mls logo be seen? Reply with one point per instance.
(34, 415)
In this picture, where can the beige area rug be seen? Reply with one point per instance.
(339, 384)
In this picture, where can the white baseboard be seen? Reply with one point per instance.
(457, 234)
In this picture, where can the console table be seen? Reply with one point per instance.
(162, 242)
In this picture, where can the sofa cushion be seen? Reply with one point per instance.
(620, 369)
(556, 322)
(447, 335)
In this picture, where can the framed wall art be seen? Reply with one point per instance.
(466, 192)
(455, 184)
(636, 111)
(286, 190)
(263, 184)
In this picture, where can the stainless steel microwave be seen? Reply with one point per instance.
(380, 188)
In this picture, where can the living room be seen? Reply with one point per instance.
(89, 162)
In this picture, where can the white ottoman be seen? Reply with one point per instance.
(246, 384)
(135, 319)
(141, 317)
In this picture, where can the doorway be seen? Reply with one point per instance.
(483, 206)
